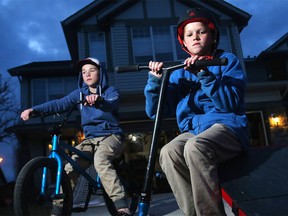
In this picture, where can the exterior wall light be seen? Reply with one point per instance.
(275, 120)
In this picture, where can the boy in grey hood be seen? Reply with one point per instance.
(100, 124)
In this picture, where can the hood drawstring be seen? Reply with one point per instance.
(81, 99)
(99, 90)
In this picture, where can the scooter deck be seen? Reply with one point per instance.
(256, 182)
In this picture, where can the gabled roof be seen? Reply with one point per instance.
(104, 9)
(107, 9)
(278, 43)
(40, 69)
(274, 50)
(239, 16)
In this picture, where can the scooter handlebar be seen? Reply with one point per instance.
(198, 63)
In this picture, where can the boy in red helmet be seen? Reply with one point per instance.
(210, 113)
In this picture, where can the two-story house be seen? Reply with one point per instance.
(121, 32)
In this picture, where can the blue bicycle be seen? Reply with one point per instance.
(38, 183)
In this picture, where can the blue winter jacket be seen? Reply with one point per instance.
(199, 101)
(96, 121)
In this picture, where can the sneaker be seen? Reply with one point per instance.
(122, 213)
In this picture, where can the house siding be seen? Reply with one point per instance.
(81, 45)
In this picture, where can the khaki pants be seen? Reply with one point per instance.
(190, 163)
(106, 149)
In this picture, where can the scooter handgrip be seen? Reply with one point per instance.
(211, 62)
(127, 68)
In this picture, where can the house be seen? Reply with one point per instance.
(267, 94)
(125, 32)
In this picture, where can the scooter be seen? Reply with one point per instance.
(145, 195)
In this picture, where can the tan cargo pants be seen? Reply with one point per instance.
(106, 149)
(190, 163)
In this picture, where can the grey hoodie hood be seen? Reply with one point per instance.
(103, 80)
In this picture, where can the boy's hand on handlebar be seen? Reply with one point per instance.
(25, 115)
(91, 100)
(190, 62)
(156, 68)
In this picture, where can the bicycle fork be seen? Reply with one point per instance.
(55, 156)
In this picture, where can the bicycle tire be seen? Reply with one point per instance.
(27, 198)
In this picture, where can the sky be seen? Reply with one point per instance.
(31, 31)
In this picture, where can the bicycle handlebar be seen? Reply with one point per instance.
(198, 63)
(36, 114)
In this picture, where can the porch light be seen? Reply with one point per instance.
(73, 143)
(50, 146)
(275, 120)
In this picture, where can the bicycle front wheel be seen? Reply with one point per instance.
(28, 199)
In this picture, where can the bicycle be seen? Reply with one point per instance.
(38, 183)
(145, 195)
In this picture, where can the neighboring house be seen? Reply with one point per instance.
(133, 32)
(267, 93)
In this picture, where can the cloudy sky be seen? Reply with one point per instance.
(31, 29)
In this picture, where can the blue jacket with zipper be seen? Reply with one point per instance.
(199, 101)
(99, 120)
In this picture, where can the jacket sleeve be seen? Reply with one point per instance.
(227, 88)
(109, 101)
(152, 91)
(59, 105)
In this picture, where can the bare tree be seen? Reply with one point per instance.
(9, 110)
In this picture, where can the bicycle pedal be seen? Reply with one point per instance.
(98, 192)
(58, 196)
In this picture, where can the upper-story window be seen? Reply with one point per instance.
(224, 42)
(46, 89)
(157, 43)
(97, 46)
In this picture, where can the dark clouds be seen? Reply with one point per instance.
(267, 24)
(31, 30)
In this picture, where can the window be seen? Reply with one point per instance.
(39, 90)
(162, 43)
(142, 45)
(156, 43)
(224, 42)
(51, 88)
(55, 88)
(257, 130)
(97, 47)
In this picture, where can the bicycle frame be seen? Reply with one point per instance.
(47, 175)
(57, 153)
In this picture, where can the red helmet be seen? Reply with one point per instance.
(197, 15)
